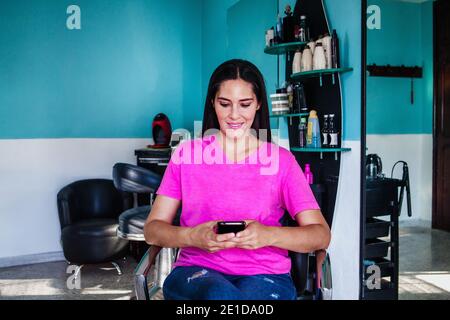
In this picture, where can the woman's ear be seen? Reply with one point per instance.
(258, 107)
(212, 103)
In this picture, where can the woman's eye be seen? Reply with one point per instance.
(224, 104)
(245, 105)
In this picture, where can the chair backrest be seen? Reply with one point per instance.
(131, 178)
(91, 199)
(300, 262)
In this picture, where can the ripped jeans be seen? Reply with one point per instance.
(198, 283)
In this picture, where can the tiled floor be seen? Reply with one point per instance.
(424, 273)
(49, 281)
(424, 262)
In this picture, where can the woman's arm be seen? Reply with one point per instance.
(312, 234)
(158, 229)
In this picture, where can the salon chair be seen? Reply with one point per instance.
(310, 272)
(88, 213)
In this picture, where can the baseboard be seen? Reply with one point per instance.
(31, 259)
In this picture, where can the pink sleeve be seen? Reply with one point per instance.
(296, 194)
(171, 182)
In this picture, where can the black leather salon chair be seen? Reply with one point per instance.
(136, 180)
(88, 213)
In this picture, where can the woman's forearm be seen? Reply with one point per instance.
(300, 239)
(163, 234)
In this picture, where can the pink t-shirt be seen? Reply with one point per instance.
(260, 187)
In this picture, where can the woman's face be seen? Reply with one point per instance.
(236, 105)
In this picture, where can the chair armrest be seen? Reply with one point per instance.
(323, 283)
(142, 271)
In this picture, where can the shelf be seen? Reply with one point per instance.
(290, 115)
(283, 48)
(322, 150)
(319, 73)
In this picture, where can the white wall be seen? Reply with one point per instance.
(31, 174)
(417, 151)
(344, 247)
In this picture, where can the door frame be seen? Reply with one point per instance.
(362, 231)
(436, 72)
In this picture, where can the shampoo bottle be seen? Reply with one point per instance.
(313, 136)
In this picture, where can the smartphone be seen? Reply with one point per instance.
(230, 226)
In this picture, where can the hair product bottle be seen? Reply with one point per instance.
(307, 59)
(308, 174)
(302, 128)
(297, 63)
(335, 55)
(325, 130)
(326, 43)
(319, 60)
(334, 140)
(313, 136)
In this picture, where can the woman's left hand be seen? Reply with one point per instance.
(254, 236)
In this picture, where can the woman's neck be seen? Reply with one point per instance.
(238, 148)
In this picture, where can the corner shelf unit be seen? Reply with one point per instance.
(325, 98)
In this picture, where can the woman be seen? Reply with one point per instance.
(221, 177)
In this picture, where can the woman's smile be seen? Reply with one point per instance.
(235, 126)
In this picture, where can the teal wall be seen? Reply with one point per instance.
(406, 37)
(133, 59)
(130, 61)
(240, 26)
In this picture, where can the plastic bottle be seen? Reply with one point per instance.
(326, 43)
(280, 29)
(302, 128)
(335, 55)
(319, 59)
(308, 174)
(297, 63)
(307, 59)
(290, 92)
(303, 31)
(313, 135)
(325, 130)
(333, 133)
(312, 46)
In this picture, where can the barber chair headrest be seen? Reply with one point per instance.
(131, 178)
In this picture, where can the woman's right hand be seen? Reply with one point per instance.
(203, 236)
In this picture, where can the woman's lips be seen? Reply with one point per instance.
(235, 126)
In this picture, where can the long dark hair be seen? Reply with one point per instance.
(233, 70)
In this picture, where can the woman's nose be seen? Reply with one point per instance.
(234, 112)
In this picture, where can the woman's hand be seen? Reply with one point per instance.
(255, 236)
(203, 236)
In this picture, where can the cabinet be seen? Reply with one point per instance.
(380, 251)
